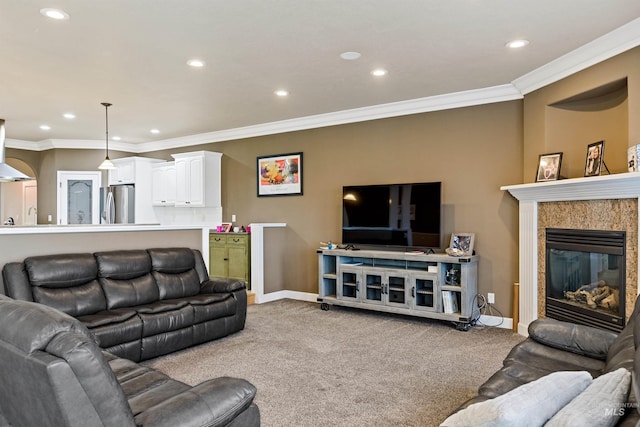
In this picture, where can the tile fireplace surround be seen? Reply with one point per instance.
(608, 202)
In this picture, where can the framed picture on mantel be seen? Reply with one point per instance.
(549, 167)
(280, 175)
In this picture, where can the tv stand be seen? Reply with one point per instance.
(436, 286)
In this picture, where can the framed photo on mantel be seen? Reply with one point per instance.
(549, 167)
(595, 156)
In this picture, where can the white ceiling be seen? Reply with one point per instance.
(133, 54)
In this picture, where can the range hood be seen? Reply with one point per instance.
(7, 173)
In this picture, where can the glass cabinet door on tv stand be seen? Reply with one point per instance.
(400, 282)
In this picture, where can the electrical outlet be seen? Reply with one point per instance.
(233, 218)
(491, 298)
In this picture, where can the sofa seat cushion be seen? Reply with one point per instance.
(165, 316)
(212, 306)
(113, 327)
(149, 388)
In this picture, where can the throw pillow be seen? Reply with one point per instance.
(600, 405)
(529, 405)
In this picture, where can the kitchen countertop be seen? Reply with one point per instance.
(90, 228)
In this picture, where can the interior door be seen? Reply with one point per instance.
(79, 197)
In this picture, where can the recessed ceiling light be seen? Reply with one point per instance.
(155, 131)
(196, 63)
(54, 13)
(69, 116)
(350, 56)
(45, 127)
(516, 44)
(379, 72)
(282, 92)
(116, 138)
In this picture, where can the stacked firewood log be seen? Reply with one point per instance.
(596, 294)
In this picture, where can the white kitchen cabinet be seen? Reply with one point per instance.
(163, 177)
(125, 171)
(137, 171)
(198, 176)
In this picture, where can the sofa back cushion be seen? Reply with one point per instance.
(52, 371)
(125, 277)
(174, 272)
(68, 282)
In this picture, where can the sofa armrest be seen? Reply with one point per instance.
(214, 402)
(221, 285)
(580, 339)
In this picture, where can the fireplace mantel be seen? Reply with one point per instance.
(618, 186)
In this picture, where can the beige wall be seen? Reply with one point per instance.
(473, 151)
(546, 131)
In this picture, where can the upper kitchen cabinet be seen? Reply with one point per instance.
(130, 170)
(163, 177)
(136, 171)
(198, 176)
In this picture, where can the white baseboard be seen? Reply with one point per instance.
(492, 321)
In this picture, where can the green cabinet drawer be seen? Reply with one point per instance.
(217, 240)
(237, 240)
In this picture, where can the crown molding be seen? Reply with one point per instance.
(611, 44)
(402, 108)
(69, 144)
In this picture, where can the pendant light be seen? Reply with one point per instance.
(107, 163)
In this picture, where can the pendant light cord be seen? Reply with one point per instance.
(106, 120)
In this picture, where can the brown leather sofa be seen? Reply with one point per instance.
(138, 304)
(54, 374)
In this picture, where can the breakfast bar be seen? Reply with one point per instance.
(19, 242)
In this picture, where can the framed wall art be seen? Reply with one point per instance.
(595, 156)
(280, 175)
(549, 167)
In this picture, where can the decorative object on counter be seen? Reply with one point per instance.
(595, 159)
(106, 163)
(225, 227)
(461, 244)
(633, 154)
(242, 229)
(549, 167)
(248, 229)
(280, 175)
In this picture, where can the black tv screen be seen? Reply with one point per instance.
(392, 215)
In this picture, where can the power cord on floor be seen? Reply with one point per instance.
(487, 309)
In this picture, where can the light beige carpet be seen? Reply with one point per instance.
(346, 367)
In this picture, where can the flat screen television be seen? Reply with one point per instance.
(392, 215)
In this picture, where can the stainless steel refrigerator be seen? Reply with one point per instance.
(117, 204)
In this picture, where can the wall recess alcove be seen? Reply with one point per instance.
(598, 114)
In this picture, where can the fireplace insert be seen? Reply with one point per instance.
(585, 277)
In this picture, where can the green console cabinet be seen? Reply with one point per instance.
(230, 256)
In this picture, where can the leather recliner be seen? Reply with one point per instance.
(54, 374)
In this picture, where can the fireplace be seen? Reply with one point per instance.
(585, 277)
